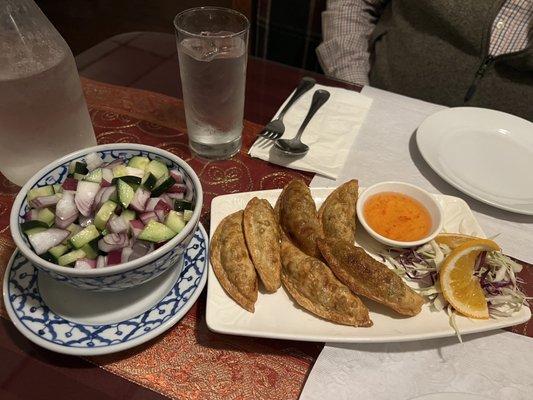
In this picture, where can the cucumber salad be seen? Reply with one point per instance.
(106, 214)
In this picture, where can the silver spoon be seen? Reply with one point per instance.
(295, 147)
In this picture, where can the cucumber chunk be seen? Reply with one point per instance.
(181, 205)
(128, 215)
(133, 180)
(91, 249)
(58, 188)
(104, 213)
(84, 236)
(156, 232)
(94, 176)
(187, 215)
(46, 215)
(163, 186)
(158, 169)
(71, 257)
(175, 221)
(149, 181)
(77, 167)
(139, 162)
(31, 225)
(125, 193)
(48, 257)
(58, 250)
(41, 191)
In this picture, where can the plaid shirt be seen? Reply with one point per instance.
(347, 25)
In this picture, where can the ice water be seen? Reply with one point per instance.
(213, 75)
(43, 114)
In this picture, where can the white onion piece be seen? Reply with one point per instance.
(93, 161)
(45, 240)
(167, 200)
(45, 201)
(148, 216)
(117, 224)
(101, 261)
(126, 253)
(161, 214)
(177, 175)
(150, 205)
(114, 163)
(103, 195)
(31, 215)
(66, 210)
(85, 263)
(176, 196)
(113, 241)
(107, 174)
(85, 194)
(189, 194)
(140, 198)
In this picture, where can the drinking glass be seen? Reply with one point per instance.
(212, 47)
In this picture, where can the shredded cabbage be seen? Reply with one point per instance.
(496, 273)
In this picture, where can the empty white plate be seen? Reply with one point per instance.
(484, 153)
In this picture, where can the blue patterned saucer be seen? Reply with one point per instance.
(73, 321)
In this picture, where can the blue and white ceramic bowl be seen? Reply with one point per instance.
(125, 275)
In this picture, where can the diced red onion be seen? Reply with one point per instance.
(189, 193)
(140, 199)
(66, 211)
(167, 200)
(31, 215)
(176, 196)
(85, 263)
(113, 241)
(85, 195)
(151, 203)
(126, 254)
(107, 174)
(177, 188)
(177, 175)
(136, 227)
(70, 184)
(93, 161)
(117, 224)
(114, 257)
(45, 240)
(101, 261)
(114, 163)
(103, 195)
(162, 205)
(45, 201)
(161, 214)
(86, 221)
(148, 216)
(140, 249)
(105, 183)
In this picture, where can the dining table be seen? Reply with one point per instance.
(132, 87)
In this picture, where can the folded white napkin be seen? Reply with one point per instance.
(494, 365)
(329, 135)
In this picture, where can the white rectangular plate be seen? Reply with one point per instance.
(278, 316)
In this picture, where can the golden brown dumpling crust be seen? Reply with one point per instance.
(298, 217)
(314, 287)
(368, 277)
(262, 234)
(337, 214)
(231, 262)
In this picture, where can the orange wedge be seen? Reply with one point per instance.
(452, 240)
(459, 285)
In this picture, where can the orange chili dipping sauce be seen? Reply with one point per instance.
(397, 216)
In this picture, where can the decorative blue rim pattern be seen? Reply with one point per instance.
(41, 325)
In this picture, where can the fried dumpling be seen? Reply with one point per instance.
(314, 287)
(298, 217)
(368, 277)
(337, 214)
(231, 261)
(261, 231)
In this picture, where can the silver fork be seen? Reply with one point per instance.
(275, 128)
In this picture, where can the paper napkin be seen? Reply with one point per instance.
(494, 365)
(329, 135)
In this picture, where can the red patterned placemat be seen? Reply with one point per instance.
(189, 362)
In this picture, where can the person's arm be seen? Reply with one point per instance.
(346, 29)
